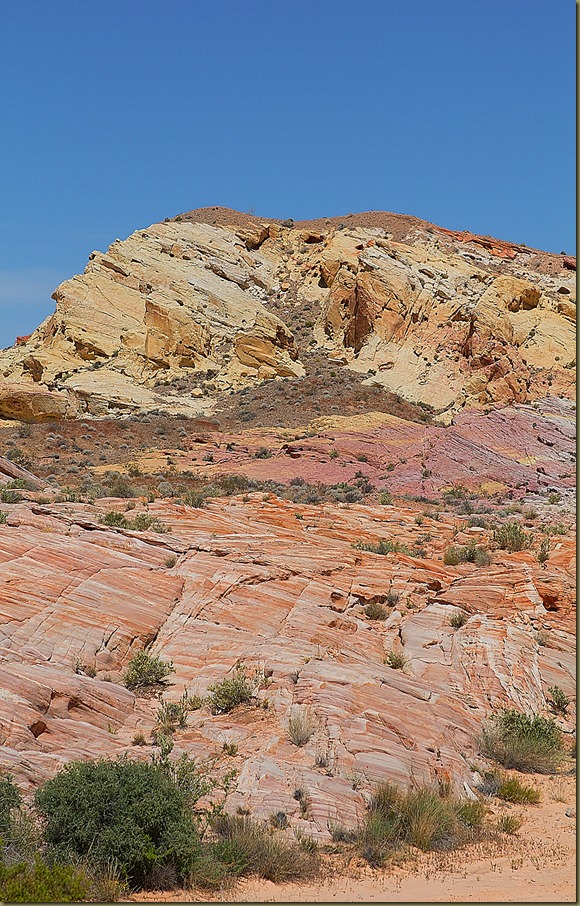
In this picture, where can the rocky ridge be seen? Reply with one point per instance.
(214, 301)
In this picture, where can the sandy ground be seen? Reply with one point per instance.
(538, 865)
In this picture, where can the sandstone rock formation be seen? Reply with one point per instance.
(442, 318)
(281, 586)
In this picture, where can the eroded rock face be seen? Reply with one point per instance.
(254, 583)
(447, 319)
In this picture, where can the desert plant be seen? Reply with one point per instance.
(3, 517)
(382, 547)
(229, 748)
(469, 553)
(171, 716)
(513, 790)
(246, 847)
(114, 519)
(301, 726)
(509, 824)
(396, 660)
(511, 537)
(376, 611)
(522, 743)
(7, 496)
(420, 817)
(10, 798)
(41, 882)
(543, 554)
(458, 619)
(235, 690)
(559, 701)
(279, 820)
(385, 498)
(139, 739)
(170, 561)
(126, 812)
(146, 670)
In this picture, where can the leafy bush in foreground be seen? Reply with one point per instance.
(522, 743)
(127, 813)
(43, 883)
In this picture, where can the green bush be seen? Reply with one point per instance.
(396, 660)
(232, 691)
(43, 883)
(10, 798)
(513, 790)
(511, 537)
(559, 701)
(522, 743)
(146, 670)
(3, 517)
(130, 814)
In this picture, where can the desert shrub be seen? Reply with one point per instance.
(245, 847)
(451, 556)
(142, 522)
(385, 498)
(301, 726)
(511, 537)
(469, 553)
(509, 824)
(559, 701)
(115, 519)
(3, 517)
(522, 743)
(420, 817)
(263, 453)
(146, 670)
(236, 690)
(396, 660)
(196, 499)
(139, 739)
(543, 554)
(10, 798)
(8, 496)
(382, 547)
(376, 611)
(458, 619)
(170, 561)
(40, 882)
(513, 790)
(171, 716)
(131, 814)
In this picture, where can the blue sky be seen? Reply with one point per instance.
(118, 114)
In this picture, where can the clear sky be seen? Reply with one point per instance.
(118, 113)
